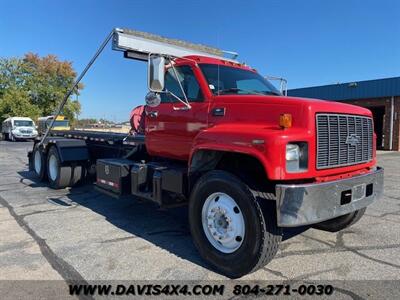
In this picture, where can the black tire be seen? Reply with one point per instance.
(78, 175)
(262, 236)
(59, 174)
(342, 222)
(39, 163)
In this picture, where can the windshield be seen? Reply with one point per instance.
(227, 80)
(23, 123)
(58, 123)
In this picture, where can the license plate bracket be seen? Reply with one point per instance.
(358, 192)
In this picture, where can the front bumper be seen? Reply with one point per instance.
(24, 136)
(304, 204)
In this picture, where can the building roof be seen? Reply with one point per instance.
(366, 89)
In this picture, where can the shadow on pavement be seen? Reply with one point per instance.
(165, 228)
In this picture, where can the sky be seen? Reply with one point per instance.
(308, 42)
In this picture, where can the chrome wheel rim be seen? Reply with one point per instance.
(38, 162)
(223, 222)
(53, 167)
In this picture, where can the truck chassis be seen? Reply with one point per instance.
(242, 184)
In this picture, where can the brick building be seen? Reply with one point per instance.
(381, 96)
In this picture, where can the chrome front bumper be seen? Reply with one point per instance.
(25, 136)
(304, 204)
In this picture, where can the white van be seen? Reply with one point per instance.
(18, 128)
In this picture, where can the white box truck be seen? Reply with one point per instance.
(18, 128)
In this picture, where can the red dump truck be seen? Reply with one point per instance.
(220, 138)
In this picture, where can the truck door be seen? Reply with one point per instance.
(170, 127)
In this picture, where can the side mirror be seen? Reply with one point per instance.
(156, 73)
(153, 99)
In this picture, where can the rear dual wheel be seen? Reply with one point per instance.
(62, 175)
(59, 175)
(39, 163)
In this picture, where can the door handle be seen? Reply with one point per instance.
(218, 111)
(152, 114)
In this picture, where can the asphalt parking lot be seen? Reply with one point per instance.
(81, 234)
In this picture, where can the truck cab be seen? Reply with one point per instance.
(233, 108)
(19, 128)
(61, 123)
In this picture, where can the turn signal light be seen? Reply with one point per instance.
(285, 120)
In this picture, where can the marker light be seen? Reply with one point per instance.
(285, 120)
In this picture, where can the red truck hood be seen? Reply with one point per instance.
(258, 109)
(315, 104)
(255, 117)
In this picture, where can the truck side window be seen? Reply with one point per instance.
(188, 81)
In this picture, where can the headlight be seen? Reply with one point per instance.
(296, 157)
(292, 152)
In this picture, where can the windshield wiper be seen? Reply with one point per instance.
(237, 90)
(271, 93)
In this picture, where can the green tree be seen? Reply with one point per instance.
(41, 82)
(12, 74)
(16, 102)
(85, 122)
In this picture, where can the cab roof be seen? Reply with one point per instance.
(18, 119)
(215, 61)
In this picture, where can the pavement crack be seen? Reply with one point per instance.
(30, 204)
(38, 212)
(393, 213)
(340, 246)
(380, 218)
(66, 271)
(318, 240)
(375, 259)
(334, 249)
(353, 295)
(275, 272)
(308, 275)
(119, 239)
(340, 243)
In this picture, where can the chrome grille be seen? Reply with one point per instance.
(343, 140)
(25, 131)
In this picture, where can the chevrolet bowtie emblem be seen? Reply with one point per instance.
(353, 139)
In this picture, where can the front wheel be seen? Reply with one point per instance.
(233, 231)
